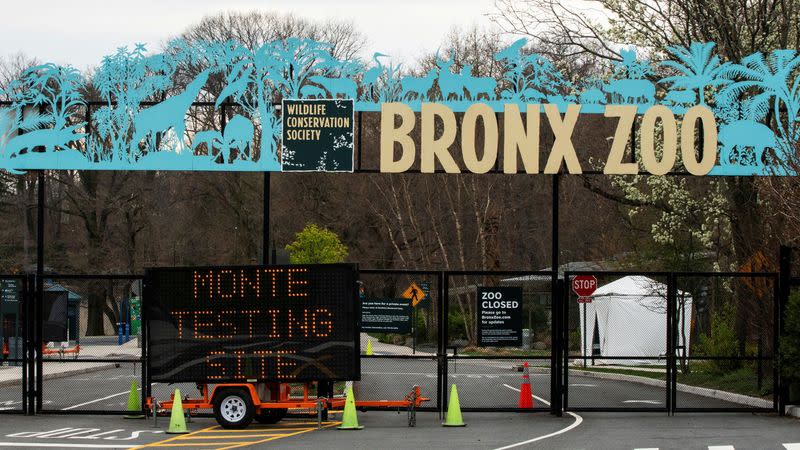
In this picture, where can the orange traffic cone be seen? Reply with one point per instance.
(525, 394)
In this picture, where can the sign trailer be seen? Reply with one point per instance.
(250, 330)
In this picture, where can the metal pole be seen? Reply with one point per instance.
(556, 388)
(414, 331)
(265, 259)
(782, 290)
(585, 319)
(39, 288)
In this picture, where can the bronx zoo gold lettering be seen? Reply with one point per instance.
(670, 140)
(562, 147)
(433, 148)
(709, 137)
(490, 138)
(614, 164)
(390, 135)
(523, 141)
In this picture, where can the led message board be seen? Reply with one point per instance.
(253, 323)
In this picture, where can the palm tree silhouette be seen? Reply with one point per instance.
(771, 76)
(698, 68)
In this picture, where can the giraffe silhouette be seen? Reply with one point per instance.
(167, 114)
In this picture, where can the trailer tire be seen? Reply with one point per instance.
(233, 408)
(271, 415)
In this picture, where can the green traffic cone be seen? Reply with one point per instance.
(453, 417)
(349, 418)
(177, 423)
(134, 405)
(369, 347)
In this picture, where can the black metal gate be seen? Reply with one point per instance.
(14, 336)
(672, 342)
(711, 344)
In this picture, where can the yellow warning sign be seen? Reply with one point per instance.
(413, 293)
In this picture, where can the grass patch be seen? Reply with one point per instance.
(632, 371)
(740, 381)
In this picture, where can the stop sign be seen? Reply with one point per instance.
(584, 285)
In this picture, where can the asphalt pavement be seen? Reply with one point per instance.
(388, 430)
(480, 383)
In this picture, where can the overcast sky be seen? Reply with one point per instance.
(80, 32)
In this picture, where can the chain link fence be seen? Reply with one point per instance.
(91, 348)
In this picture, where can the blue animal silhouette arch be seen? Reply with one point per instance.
(160, 110)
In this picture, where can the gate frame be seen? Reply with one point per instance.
(671, 375)
(555, 402)
(23, 318)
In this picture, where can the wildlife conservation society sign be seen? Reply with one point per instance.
(317, 136)
(499, 316)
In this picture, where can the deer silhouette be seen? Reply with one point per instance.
(344, 86)
(449, 83)
(418, 86)
(478, 85)
(168, 114)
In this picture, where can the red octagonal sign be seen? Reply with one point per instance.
(584, 285)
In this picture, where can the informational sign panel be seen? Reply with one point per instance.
(252, 323)
(317, 136)
(500, 316)
(386, 315)
(10, 290)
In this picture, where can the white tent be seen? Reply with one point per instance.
(631, 318)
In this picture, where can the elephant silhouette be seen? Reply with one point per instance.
(742, 134)
(238, 135)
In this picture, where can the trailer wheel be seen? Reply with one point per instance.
(271, 415)
(233, 408)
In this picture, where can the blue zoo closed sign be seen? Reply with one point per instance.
(499, 316)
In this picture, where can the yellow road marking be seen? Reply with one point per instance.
(253, 435)
(274, 438)
(173, 438)
(232, 436)
(195, 444)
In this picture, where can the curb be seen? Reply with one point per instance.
(701, 391)
(66, 373)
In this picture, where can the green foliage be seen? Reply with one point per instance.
(575, 341)
(315, 245)
(721, 341)
(790, 339)
(456, 325)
